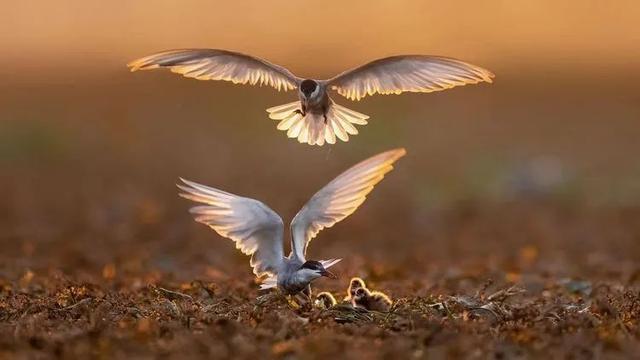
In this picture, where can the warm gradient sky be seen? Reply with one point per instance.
(45, 35)
(566, 94)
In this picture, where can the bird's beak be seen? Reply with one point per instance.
(329, 274)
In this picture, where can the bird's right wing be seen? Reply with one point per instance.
(412, 73)
(213, 64)
(339, 199)
(255, 228)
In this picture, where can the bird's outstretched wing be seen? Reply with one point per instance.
(213, 64)
(413, 73)
(339, 199)
(255, 228)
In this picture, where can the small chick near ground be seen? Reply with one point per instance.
(354, 284)
(324, 300)
(371, 300)
(361, 297)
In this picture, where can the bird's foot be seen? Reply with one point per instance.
(325, 118)
(301, 112)
(293, 302)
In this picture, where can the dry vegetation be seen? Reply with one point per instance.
(123, 310)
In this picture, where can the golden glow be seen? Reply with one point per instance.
(319, 40)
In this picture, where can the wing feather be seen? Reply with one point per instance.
(339, 199)
(255, 228)
(408, 73)
(214, 64)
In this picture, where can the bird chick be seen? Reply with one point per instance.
(371, 300)
(324, 300)
(354, 284)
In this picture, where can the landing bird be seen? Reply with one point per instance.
(315, 118)
(258, 231)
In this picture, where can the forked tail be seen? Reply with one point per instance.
(312, 128)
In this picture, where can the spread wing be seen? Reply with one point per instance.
(413, 73)
(255, 228)
(213, 64)
(339, 199)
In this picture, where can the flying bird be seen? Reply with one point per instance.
(315, 118)
(258, 231)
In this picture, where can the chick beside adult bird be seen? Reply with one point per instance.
(324, 300)
(354, 284)
(258, 231)
(371, 300)
(315, 118)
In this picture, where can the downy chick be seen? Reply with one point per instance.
(371, 300)
(354, 284)
(324, 300)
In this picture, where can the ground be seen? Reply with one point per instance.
(527, 304)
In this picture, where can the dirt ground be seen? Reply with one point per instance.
(501, 302)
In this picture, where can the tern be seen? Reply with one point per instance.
(258, 231)
(315, 118)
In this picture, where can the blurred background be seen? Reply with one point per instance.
(539, 169)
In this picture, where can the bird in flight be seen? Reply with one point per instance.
(258, 231)
(315, 118)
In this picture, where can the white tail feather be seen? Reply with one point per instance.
(329, 263)
(312, 128)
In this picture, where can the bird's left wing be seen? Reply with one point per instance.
(412, 73)
(214, 64)
(339, 199)
(255, 228)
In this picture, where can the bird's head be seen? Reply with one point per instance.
(355, 284)
(309, 88)
(324, 300)
(361, 293)
(314, 269)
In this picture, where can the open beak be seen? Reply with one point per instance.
(329, 274)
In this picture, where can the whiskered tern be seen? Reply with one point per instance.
(258, 231)
(315, 118)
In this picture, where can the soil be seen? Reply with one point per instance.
(531, 303)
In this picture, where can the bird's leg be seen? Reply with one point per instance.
(304, 298)
(324, 114)
(292, 301)
(301, 111)
(307, 291)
